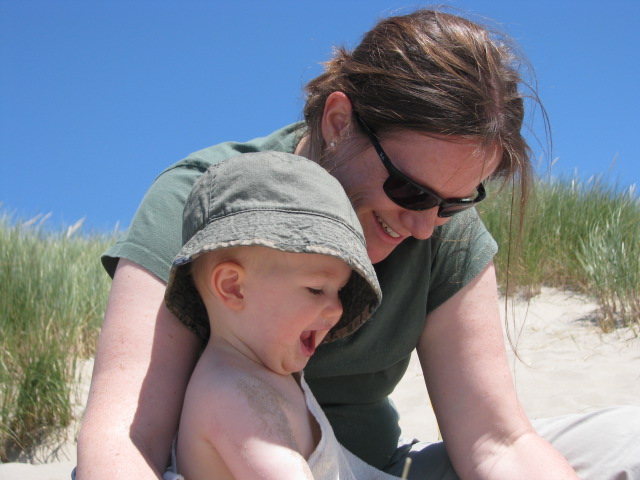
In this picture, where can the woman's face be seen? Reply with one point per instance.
(450, 169)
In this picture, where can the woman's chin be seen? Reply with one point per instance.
(377, 255)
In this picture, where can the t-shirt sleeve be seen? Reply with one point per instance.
(461, 249)
(154, 237)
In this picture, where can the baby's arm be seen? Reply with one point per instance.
(249, 424)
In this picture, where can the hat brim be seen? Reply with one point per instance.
(287, 231)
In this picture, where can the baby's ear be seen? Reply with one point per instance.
(227, 282)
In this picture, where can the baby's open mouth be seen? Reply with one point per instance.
(308, 339)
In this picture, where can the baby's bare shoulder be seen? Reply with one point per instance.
(245, 401)
(226, 384)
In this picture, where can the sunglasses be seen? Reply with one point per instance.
(410, 195)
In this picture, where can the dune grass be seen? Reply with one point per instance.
(580, 236)
(52, 296)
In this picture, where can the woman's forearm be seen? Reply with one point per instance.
(464, 360)
(143, 363)
(527, 457)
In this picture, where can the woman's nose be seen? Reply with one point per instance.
(420, 224)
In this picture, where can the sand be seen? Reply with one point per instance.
(567, 366)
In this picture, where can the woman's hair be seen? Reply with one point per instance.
(431, 72)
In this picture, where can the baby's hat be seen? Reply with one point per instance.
(276, 200)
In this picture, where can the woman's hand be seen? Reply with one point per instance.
(144, 359)
(463, 357)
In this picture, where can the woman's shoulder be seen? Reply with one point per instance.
(284, 139)
(154, 235)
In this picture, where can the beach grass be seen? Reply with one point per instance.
(578, 235)
(53, 291)
(582, 236)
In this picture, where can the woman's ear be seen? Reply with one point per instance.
(226, 282)
(336, 117)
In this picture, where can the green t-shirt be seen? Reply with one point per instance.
(351, 378)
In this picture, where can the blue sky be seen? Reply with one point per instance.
(97, 97)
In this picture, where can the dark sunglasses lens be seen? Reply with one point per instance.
(407, 195)
(450, 210)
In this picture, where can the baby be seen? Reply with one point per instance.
(274, 263)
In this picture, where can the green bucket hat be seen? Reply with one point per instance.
(276, 200)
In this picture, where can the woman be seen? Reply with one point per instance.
(412, 122)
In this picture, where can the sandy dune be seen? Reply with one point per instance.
(568, 366)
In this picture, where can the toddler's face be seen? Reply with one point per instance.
(292, 299)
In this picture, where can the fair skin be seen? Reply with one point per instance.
(482, 422)
(459, 168)
(139, 378)
(461, 349)
(245, 415)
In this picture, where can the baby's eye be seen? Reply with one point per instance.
(315, 291)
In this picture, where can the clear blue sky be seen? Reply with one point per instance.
(97, 97)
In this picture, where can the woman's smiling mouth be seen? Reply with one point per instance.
(388, 230)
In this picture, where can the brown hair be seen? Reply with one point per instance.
(432, 72)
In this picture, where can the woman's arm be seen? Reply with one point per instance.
(463, 357)
(144, 359)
